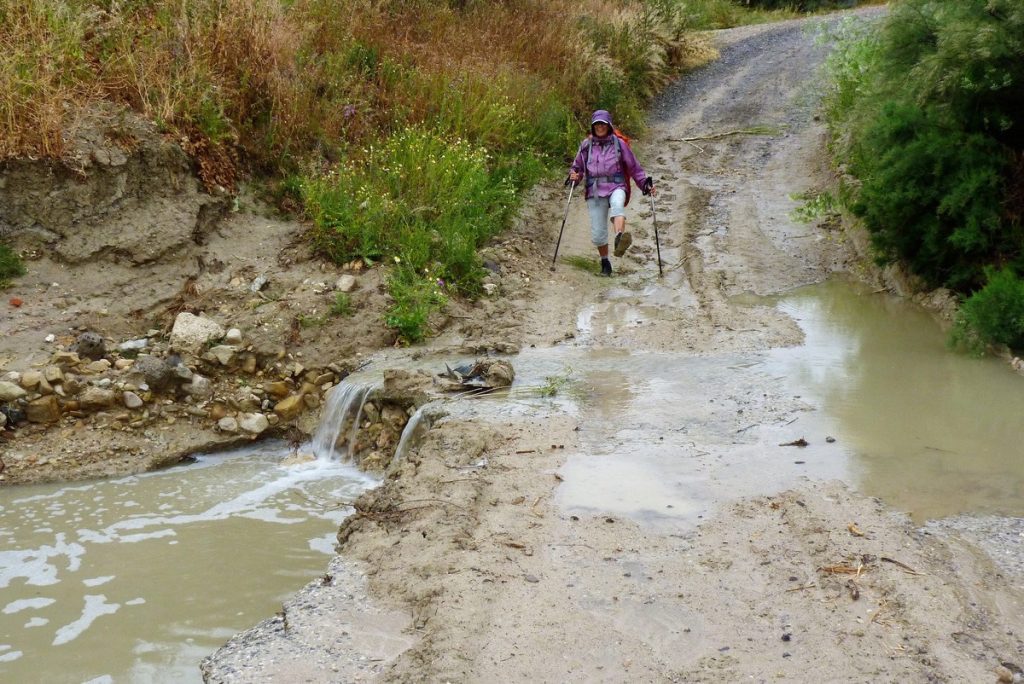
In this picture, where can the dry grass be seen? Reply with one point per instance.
(284, 79)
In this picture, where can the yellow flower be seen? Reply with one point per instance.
(398, 260)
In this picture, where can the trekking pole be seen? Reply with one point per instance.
(657, 242)
(564, 219)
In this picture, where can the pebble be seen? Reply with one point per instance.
(50, 338)
(132, 400)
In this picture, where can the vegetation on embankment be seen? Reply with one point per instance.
(404, 128)
(927, 113)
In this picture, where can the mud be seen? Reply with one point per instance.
(505, 575)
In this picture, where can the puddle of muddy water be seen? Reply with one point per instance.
(667, 437)
(137, 579)
(931, 432)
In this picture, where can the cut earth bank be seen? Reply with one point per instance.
(476, 573)
(474, 561)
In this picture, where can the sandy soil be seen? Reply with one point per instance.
(465, 566)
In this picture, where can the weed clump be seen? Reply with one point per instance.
(11, 266)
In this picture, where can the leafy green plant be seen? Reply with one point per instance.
(816, 205)
(993, 315)
(11, 266)
(342, 305)
(555, 384)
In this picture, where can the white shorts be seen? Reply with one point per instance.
(602, 210)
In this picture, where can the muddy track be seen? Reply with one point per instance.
(495, 553)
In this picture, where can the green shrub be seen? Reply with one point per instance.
(927, 111)
(931, 195)
(993, 315)
(342, 305)
(11, 265)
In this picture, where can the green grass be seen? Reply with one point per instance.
(586, 264)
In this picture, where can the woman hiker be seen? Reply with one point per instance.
(607, 163)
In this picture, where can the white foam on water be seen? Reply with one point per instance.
(10, 657)
(36, 622)
(324, 544)
(102, 679)
(34, 565)
(135, 602)
(98, 581)
(96, 606)
(27, 604)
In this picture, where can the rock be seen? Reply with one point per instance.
(222, 354)
(53, 374)
(311, 400)
(31, 379)
(258, 283)
(253, 423)
(190, 332)
(96, 367)
(297, 459)
(14, 415)
(11, 376)
(490, 289)
(227, 424)
(290, 407)
(278, 390)
(248, 363)
(123, 364)
(394, 417)
(218, 411)
(90, 345)
(72, 385)
(43, 410)
(200, 387)
(132, 400)
(346, 283)
(65, 359)
(3, 420)
(50, 339)
(96, 398)
(9, 391)
(233, 336)
(152, 371)
(134, 345)
(44, 387)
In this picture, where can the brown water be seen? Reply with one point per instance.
(137, 579)
(668, 437)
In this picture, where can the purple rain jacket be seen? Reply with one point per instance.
(606, 171)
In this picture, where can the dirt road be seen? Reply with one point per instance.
(636, 529)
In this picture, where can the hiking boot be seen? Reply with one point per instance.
(606, 267)
(622, 243)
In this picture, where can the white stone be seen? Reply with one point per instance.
(253, 423)
(222, 353)
(191, 332)
(132, 400)
(227, 424)
(50, 338)
(134, 345)
(9, 391)
(346, 283)
(233, 336)
(490, 288)
(199, 387)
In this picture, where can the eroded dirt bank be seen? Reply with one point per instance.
(469, 565)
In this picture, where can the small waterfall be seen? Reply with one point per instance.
(407, 433)
(346, 402)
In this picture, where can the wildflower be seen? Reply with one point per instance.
(398, 260)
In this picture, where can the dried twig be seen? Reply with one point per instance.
(906, 568)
